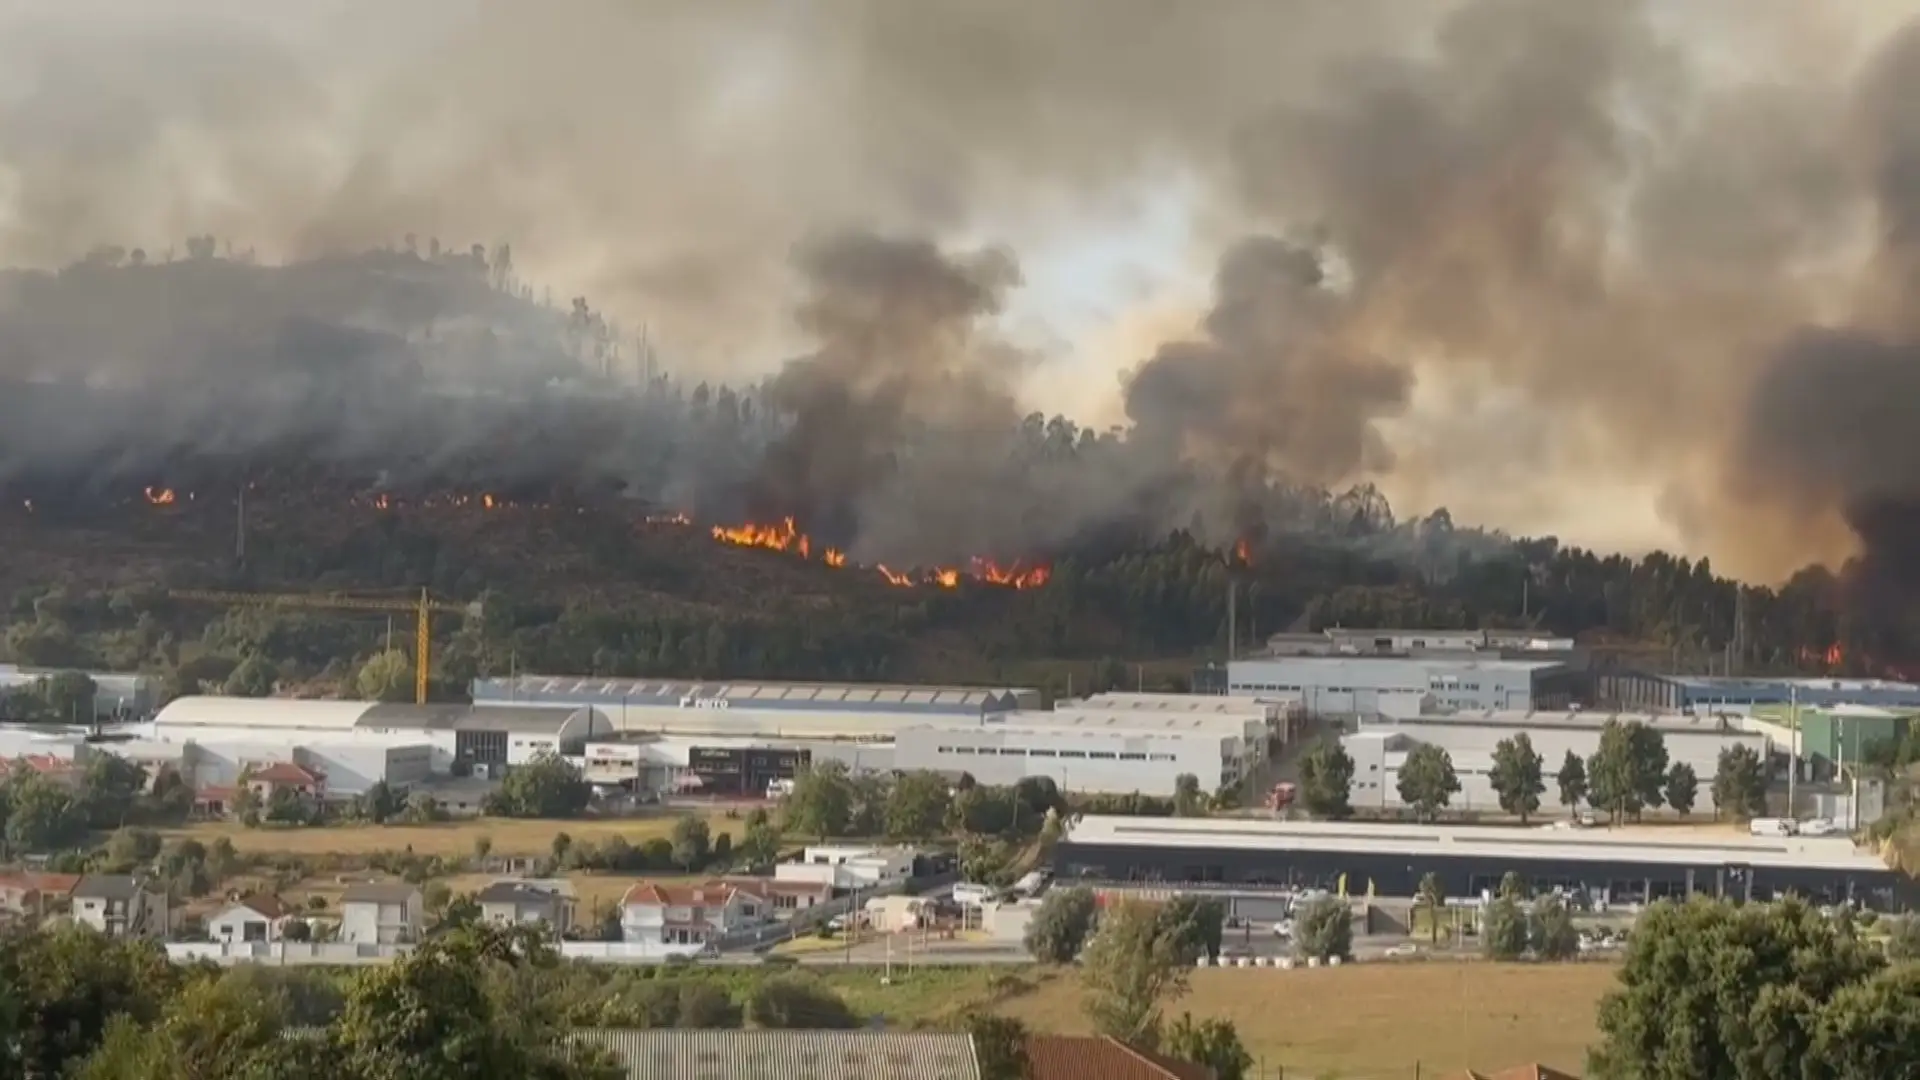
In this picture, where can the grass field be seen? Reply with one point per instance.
(508, 836)
(1379, 1020)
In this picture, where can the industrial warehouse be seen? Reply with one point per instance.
(1381, 746)
(1708, 694)
(1606, 866)
(1347, 686)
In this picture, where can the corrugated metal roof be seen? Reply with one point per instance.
(549, 690)
(785, 1055)
(1491, 842)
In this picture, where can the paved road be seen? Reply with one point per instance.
(874, 954)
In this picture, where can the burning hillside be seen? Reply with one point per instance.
(787, 537)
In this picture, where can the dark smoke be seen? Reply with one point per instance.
(1536, 245)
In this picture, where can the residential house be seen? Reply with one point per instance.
(849, 866)
(686, 1054)
(381, 914)
(35, 895)
(304, 783)
(250, 918)
(510, 902)
(684, 918)
(1098, 1057)
(1515, 1073)
(121, 906)
(58, 769)
(783, 899)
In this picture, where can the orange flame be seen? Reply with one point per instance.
(486, 501)
(781, 537)
(902, 580)
(381, 502)
(1836, 655)
(160, 496)
(1243, 552)
(946, 577)
(836, 558)
(1015, 576)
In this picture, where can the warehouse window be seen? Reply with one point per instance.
(1100, 756)
(943, 750)
(1042, 753)
(1073, 753)
(1133, 757)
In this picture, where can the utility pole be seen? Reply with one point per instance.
(1793, 753)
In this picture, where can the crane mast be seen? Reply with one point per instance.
(423, 610)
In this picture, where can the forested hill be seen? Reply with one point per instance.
(609, 590)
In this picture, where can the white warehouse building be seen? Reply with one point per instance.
(1379, 749)
(1365, 686)
(1117, 761)
(356, 743)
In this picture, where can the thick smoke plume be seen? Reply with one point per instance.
(1499, 250)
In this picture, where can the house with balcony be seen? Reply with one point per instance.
(121, 906)
(250, 919)
(381, 914)
(783, 899)
(302, 782)
(684, 919)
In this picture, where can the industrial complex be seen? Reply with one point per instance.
(1380, 746)
(1344, 686)
(1606, 866)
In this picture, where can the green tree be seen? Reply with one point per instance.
(1714, 991)
(1433, 900)
(1503, 929)
(999, 1045)
(704, 1005)
(692, 842)
(69, 696)
(1213, 1043)
(110, 789)
(821, 803)
(796, 1002)
(386, 676)
(1903, 938)
(1552, 932)
(284, 807)
(1427, 781)
(1188, 799)
(64, 986)
(1683, 787)
(1326, 780)
(1870, 1029)
(1516, 776)
(1627, 772)
(217, 1027)
(1127, 971)
(1740, 784)
(42, 816)
(917, 806)
(1513, 886)
(760, 845)
(546, 787)
(1195, 925)
(1324, 930)
(1060, 927)
(255, 677)
(1572, 780)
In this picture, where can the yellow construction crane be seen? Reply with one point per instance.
(423, 610)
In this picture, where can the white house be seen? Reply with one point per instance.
(121, 906)
(845, 866)
(251, 918)
(383, 914)
(682, 919)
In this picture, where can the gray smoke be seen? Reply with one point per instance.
(1614, 212)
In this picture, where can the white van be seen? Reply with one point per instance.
(1770, 826)
(971, 894)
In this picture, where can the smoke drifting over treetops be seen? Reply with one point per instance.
(1682, 239)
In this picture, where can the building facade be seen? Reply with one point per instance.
(1708, 694)
(1118, 762)
(121, 906)
(1347, 686)
(381, 914)
(1609, 866)
(1379, 748)
(762, 710)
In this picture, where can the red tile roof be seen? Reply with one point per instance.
(54, 884)
(1096, 1057)
(712, 893)
(767, 888)
(283, 772)
(44, 764)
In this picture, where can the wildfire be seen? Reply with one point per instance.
(787, 536)
(160, 496)
(1836, 655)
(1242, 553)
